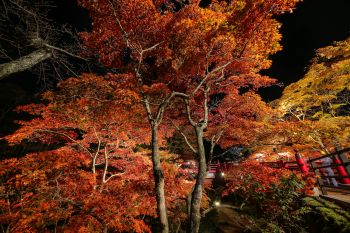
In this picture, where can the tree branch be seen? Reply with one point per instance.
(67, 136)
(185, 137)
(94, 158)
(205, 106)
(214, 140)
(64, 51)
(188, 112)
(125, 35)
(164, 104)
(24, 63)
(209, 74)
(256, 29)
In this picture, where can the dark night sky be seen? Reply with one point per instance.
(314, 24)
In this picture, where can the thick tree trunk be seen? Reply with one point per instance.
(159, 182)
(195, 216)
(24, 63)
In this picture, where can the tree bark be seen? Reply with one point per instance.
(24, 63)
(159, 181)
(195, 216)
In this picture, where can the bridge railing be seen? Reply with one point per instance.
(336, 174)
(332, 175)
(217, 167)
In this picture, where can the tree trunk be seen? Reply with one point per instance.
(24, 63)
(159, 181)
(195, 215)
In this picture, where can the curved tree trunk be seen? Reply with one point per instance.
(24, 63)
(159, 182)
(195, 215)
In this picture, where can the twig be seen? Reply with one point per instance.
(64, 51)
(185, 137)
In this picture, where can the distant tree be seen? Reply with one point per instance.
(324, 91)
(316, 110)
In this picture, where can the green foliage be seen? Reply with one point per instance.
(272, 199)
(279, 210)
(284, 196)
(272, 228)
(328, 216)
(287, 191)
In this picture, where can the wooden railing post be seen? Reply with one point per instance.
(319, 178)
(301, 163)
(344, 168)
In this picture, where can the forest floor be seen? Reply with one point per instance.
(225, 219)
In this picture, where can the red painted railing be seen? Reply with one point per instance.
(337, 170)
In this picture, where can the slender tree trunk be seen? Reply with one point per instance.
(24, 63)
(195, 215)
(159, 181)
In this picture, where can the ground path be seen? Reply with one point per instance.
(225, 219)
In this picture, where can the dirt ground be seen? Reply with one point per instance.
(225, 219)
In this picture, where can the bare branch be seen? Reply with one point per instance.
(64, 51)
(114, 175)
(214, 141)
(188, 112)
(125, 35)
(94, 157)
(105, 170)
(220, 68)
(67, 66)
(106, 165)
(67, 136)
(165, 103)
(205, 106)
(152, 47)
(24, 63)
(185, 137)
(24, 9)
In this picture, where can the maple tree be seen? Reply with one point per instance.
(239, 119)
(314, 112)
(187, 50)
(161, 51)
(94, 181)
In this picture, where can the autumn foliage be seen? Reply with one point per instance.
(313, 113)
(55, 191)
(186, 66)
(253, 177)
(95, 181)
(189, 50)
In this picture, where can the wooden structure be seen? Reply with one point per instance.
(340, 166)
(214, 168)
